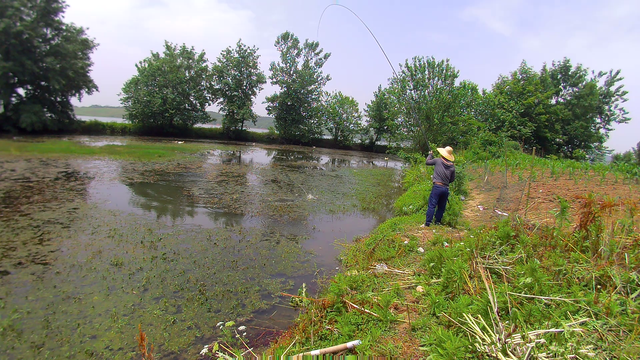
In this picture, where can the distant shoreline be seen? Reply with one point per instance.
(116, 114)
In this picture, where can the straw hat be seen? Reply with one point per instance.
(447, 153)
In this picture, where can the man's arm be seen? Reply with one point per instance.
(430, 159)
(453, 175)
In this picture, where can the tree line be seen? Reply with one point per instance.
(562, 109)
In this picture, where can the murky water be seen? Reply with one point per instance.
(91, 248)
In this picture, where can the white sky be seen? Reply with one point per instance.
(483, 38)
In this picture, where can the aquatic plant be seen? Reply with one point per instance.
(146, 352)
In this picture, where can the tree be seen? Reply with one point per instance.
(464, 125)
(381, 117)
(630, 156)
(342, 117)
(428, 101)
(584, 106)
(297, 107)
(238, 79)
(562, 110)
(518, 108)
(170, 91)
(44, 63)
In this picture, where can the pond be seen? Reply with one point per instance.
(93, 247)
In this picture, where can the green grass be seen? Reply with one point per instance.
(130, 151)
(518, 162)
(563, 290)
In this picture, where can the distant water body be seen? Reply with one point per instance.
(120, 120)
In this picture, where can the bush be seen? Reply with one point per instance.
(95, 127)
(414, 201)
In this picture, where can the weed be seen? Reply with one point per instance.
(145, 351)
(508, 291)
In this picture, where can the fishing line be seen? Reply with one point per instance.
(365, 25)
(395, 74)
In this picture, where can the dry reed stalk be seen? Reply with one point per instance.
(544, 297)
(352, 305)
(385, 268)
(226, 348)
(285, 352)
(247, 346)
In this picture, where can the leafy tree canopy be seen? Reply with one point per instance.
(171, 90)
(238, 79)
(381, 117)
(432, 107)
(561, 110)
(342, 118)
(298, 74)
(44, 63)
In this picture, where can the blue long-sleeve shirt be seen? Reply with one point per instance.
(444, 171)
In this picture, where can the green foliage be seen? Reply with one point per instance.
(563, 290)
(342, 117)
(414, 200)
(410, 157)
(431, 106)
(562, 110)
(238, 79)
(631, 157)
(44, 62)
(381, 121)
(298, 74)
(170, 91)
(95, 127)
(516, 161)
(487, 145)
(444, 344)
(517, 107)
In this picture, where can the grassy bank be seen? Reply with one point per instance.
(134, 150)
(94, 127)
(559, 277)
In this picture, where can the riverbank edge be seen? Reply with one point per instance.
(395, 254)
(99, 128)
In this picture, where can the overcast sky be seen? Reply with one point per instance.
(483, 38)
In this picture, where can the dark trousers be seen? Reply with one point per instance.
(438, 198)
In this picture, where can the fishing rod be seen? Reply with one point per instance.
(395, 74)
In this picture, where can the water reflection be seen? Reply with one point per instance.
(225, 219)
(338, 162)
(281, 156)
(231, 157)
(162, 199)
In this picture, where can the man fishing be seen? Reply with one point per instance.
(444, 174)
